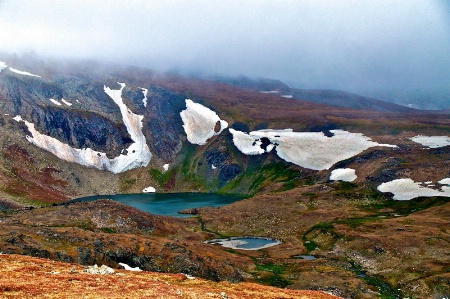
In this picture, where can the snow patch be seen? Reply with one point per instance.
(213, 167)
(270, 91)
(287, 96)
(149, 190)
(188, 276)
(343, 174)
(199, 123)
(406, 189)
(144, 100)
(138, 153)
(246, 143)
(432, 141)
(55, 102)
(445, 181)
(165, 167)
(65, 102)
(311, 150)
(2, 66)
(22, 72)
(18, 118)
(128, 268)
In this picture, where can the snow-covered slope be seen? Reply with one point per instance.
(199, 123)
(432, 141)
(138, 153)
(144, 100)
(3, 65)
(406, 189)
(311, 150)
(23, 72)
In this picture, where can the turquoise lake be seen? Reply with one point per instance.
(168, 204)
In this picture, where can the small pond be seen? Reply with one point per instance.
(245, 243)
(306, 257)
(168, 204)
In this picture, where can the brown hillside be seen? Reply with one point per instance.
(29, 277)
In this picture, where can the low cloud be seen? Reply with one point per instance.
(349, 45)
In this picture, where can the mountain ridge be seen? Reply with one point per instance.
(340, 223)
(336, 98)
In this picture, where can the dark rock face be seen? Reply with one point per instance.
(217, 158)
(94, 120)
(84, 256)
(222, 161)
(265, 142)
(324, 128)
(163, 126)
(240, 127)
(30, 98)
(385, 175)
(375, 154)
(83, 130)
(178, 259)
(133, 99)
(63, 257)
(132, 259)
(229, 172)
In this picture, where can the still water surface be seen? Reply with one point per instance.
(168, 204)
(245, 243)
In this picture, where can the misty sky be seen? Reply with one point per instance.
(352, 45)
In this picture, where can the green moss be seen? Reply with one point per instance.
(323, 226)
(309, 245)
(108, 230)
(258, 175)
(275, 278)
(320, 235)
(386, 291)
(162, 178)
(405, 207)
(354, 222)
(126, 183)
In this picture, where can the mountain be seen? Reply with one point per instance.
(362, 193)
(262, 84)
(334, 98)
(348, 100)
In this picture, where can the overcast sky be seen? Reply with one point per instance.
(351, 45)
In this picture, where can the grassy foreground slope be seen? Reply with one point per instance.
(29, 277)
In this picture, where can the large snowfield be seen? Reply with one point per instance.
(432, 141)
(406, 189)
(311, 150)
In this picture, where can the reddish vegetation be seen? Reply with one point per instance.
(31, 181)
(28, 277)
